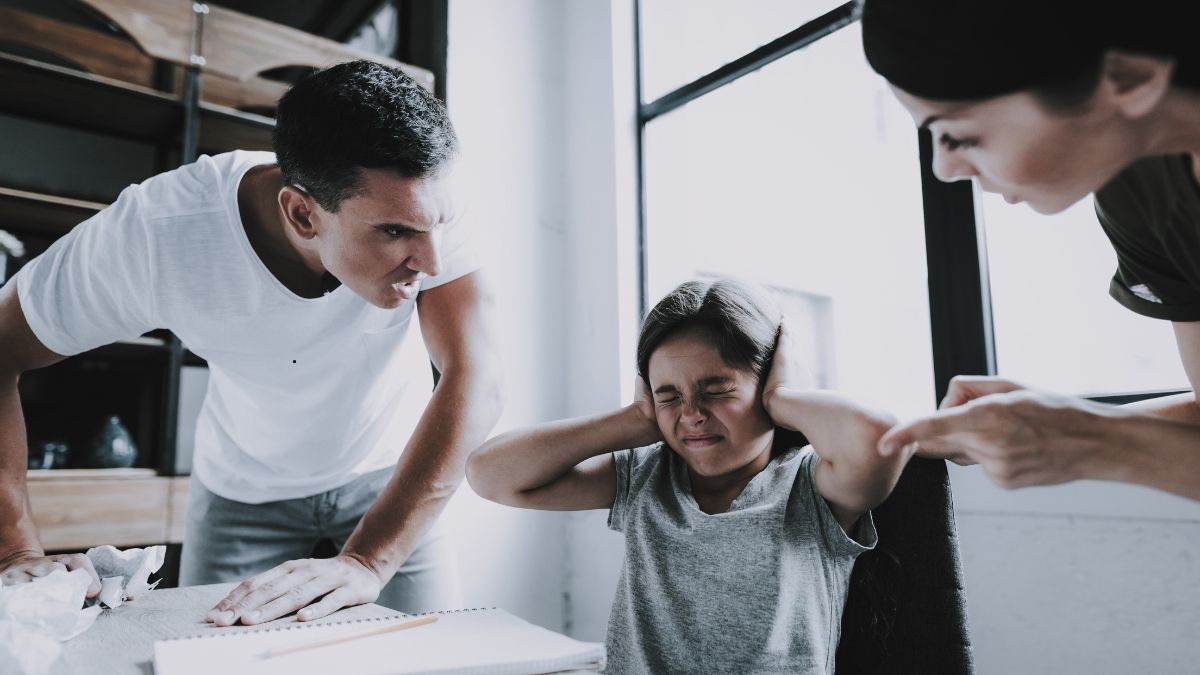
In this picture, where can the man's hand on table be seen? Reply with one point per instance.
(25, 566)
(333, 583)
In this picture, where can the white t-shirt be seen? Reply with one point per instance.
(304, 394)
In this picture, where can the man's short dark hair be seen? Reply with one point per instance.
(355, 115)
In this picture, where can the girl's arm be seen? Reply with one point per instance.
(852, 475)
(561, 466)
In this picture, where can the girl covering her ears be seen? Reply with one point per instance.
(739, 537)
(1046, 102)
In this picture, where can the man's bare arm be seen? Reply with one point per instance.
(21, 554)
(456, 320)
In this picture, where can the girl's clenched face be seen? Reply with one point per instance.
(709, 412)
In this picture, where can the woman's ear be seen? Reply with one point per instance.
(1135, 83)
(298, 207)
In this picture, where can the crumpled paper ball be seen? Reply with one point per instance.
(37, 617)
(124, 574)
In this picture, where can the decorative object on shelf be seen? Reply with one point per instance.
(48, 455)
(111, 448)
(10, 247)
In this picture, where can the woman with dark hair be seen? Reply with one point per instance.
(740, 540)
(1046, 102)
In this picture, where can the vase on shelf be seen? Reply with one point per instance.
(112, 447)
(48, 455)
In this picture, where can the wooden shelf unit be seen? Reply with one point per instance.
(75, 509)
(102, 104)
(42, 213)
(93, 102)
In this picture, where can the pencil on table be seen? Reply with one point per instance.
(411, 623)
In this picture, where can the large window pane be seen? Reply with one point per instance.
(1056, 326)
(804, 177)
(684, 39)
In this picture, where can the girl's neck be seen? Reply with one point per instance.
(714, 494)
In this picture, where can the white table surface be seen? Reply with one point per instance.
(121, 642)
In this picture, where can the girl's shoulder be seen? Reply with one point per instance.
(636, 462)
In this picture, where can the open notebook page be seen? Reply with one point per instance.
(467, 641)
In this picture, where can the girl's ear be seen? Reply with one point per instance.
(1135, 83)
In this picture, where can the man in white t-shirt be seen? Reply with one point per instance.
(299, 276)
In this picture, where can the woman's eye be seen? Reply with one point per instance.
(668, 401)
(951, 143)
(719, 392)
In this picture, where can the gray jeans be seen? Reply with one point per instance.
(226, 541)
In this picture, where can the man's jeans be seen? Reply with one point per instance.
(226, 541)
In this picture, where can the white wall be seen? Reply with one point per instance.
(1089, 577)
(532, 94)
(1069, 594)
(602, 314)
(505, 95)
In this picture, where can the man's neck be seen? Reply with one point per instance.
(263, 220)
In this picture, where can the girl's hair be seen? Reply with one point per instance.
(740, 320)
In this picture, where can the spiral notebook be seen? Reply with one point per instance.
(460, 641)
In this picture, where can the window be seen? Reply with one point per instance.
(803, 177)
(1056, 327)
(684, 39)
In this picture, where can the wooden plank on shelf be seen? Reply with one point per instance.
(90, 474)
(223, 129)
(92, 51)
(235, 45)
(162, 29)
(93, 102)
(177, 508)
(20, 209)
(256, 92)
(241, 46)
(75, 514)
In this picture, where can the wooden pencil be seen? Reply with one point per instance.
(411, 623)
